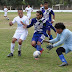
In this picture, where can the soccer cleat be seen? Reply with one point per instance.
(19, 53)
(63, 64)
(10, 55)
(8, 19)
(41, 50)
(36, 58)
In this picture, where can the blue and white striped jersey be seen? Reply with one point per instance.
(47, 13)
(40, 25)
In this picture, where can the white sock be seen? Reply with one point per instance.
(19, 47)
(7, 18)
(12, 47)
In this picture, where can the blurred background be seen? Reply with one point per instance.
(35, 4)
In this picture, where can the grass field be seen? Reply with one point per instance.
(48, 62)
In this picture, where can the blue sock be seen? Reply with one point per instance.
(62, 58)
(51, 37)
(38, 48)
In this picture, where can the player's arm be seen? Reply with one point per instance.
(28, 26)
(31, 10)
(53, 40)
(12, 22)
(62, 39)
(53, 19)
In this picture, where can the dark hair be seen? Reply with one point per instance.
(19, 9)
(45, 2)
(40, 12)
(60, 26)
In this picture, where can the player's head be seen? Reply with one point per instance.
(59, 27)
(46, 5)
(20, 13)
(41, 5)
(5, 6)
(39, 14)
(28, 6)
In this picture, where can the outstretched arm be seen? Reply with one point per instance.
(28, 26)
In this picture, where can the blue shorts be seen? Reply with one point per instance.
(38, 37)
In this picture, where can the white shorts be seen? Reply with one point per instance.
(5, 13)
(29, 15)
(21, 35)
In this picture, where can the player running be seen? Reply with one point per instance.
(28, 10)
(48, 12)
(39, 30)
(41, 7)
(20, 33)
(64, 36)
(5, 12)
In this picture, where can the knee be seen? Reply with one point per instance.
(13, 41)
(38, 43)
(20, 42)
(33, 44)
(57, 50)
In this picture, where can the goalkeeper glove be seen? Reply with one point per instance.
(49, 47)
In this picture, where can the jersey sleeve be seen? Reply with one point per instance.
(55, 40)
(52, 12)
(32, 22)
(14, 20)
(62, 39)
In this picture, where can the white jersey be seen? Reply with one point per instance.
(5, 9)
(29, 10)
(21, 33)
(46, 13)
(17, 19)
(41, 8)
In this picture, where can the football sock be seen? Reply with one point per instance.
(62, 58)
(7, 18)
(12, 47)
(38, 48)
(19, 47)
(51, 37)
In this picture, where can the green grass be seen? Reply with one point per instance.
(48, 62)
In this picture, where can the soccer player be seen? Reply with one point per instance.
(64, 36)
(48, 13)
(39, 30)
(28, 10)
(20, 33)
(5, 12)
(41, 7)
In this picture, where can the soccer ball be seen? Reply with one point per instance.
(36, 54)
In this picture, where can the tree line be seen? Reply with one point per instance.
(34, 3)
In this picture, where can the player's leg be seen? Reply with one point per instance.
(5, 15)
(61, 56)
(49, 33)
(23, 37)
(40, 41)
(12, 47)
(33, 43)
(19, 46)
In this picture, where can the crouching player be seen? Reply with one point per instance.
(20, 34)
(64, 36)
(39, 30)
